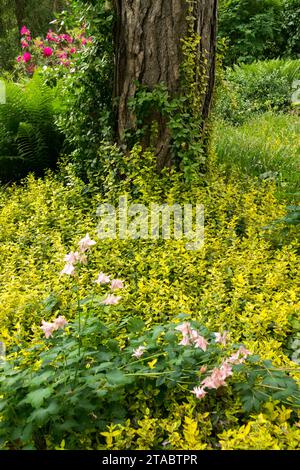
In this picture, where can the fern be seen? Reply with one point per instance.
(29, 139)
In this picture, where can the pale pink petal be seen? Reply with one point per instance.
(139, 351)
(47, 328)
(221, 338)
(185, 341)
(117, 284)
(111, 300)
(201, 343)
(60, 322)
(85, 243)
(69, 269)
(184, 328)
(103, 279)
(199, 392)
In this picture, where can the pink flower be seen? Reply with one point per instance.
(60, 322)
(31, 68)
(47, 328)
(52, 37)
(69, 269)
(203, 369)
(86, 243)
(103, 279)
(111, 300)
(83, 41)
(242, 350)
(62, 54)
(226, 370)
(73, 50)
(72, 257)
(139, 351)
(215, 380)
(199, 392)
(239, 356)
(47, 51)
(26, 57)
(184, 328)
(24, 44)
(19, 59)
(67, 37)
(24, 31)
(117, 284)
(221, 338)
(199, 341)
(218, 377)
(235, 358)
(185, 341)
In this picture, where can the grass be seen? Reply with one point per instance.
(267, 147)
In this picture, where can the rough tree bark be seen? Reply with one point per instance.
(149, 50)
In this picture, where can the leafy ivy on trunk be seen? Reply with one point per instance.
(164, 74)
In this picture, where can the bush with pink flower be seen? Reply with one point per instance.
(56, 49)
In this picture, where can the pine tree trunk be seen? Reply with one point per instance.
(148, 42)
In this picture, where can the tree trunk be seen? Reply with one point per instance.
(149, 51)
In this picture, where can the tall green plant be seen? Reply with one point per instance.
(29, 140)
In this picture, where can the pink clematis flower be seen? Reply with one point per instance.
(26, 57)
(199, 392)
(47, 51)
(85, 243)
(139, 351)
(103, 279)
(117, 284)
(111, 300)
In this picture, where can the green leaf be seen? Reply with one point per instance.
(117, 377)
(37, 397)
(134, 325)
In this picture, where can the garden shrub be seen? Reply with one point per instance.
(252, 89)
